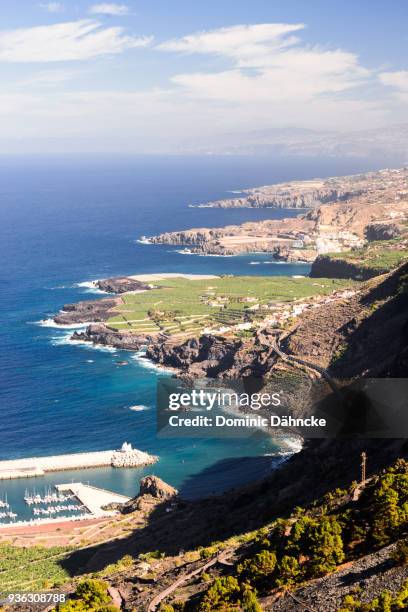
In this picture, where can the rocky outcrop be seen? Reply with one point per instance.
(156, 487)
(86, 311)
(101, 334)
(121, 284)
(334, 267)
(99, 310)
(153, 492)
(382, 231)
(284, 239)
(215, 357)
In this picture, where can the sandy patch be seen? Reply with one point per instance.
(160, 276)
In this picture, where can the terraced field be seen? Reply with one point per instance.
(182, 305)
(31, 569)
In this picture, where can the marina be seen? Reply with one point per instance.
(93, 498)
(126, 456)
(72, 501)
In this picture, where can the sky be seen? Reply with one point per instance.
(153, 76)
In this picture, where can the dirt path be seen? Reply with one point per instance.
(155, 602)
(299, 360)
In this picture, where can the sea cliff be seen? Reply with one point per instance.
(358, 210)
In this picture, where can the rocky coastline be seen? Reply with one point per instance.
(349, 214)
(312, 333)
(99, 310)
(299, 195)
(86, 311)
(103, 335)
(368, 209)
(121, 284)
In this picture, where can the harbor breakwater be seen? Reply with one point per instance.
(126, 457)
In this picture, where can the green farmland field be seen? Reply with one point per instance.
(181, 305)
(31, 569)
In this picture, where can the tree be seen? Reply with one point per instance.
(289, 571)
(389, 505)
(222, 595)
(320, 541)
(259, 567)
(93, 592)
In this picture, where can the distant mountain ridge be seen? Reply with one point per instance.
(386, 141)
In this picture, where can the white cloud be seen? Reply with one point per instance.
(245, 79)
(108, 8)
(49, 78)
(53, 7)
(267, 64)
(75, 40)
(241, 42)
(398, 79)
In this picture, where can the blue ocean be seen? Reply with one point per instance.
(66, 221)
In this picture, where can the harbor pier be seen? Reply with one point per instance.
(93, 498)
(126, 457)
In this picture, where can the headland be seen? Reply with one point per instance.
(344, 213)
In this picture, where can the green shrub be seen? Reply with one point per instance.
(91, 595)
(289, 571)
(389, 504)
(319, 541)
(222, 595)
(154, 554)
(250, 602)
(259, 567)
(94, 592)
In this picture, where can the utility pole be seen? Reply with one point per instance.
(363, 467)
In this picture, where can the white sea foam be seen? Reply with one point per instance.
(188, 252)
(86, 284)
(52, 323)
(149, 365)
(90, 287)
(284, 263)
(59, 287)
(143, 241)
(255, 263)
(293, 445)
(66, 339)
(139, 408)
